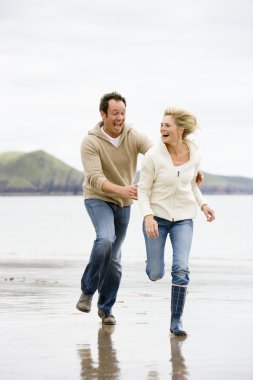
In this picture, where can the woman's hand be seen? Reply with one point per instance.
(151, 227)
(209, 213)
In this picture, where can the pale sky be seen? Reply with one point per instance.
(58, 57)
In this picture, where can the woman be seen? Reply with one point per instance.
(168, 196)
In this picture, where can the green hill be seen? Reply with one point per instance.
(41, 173)
(37, 172)
(220, 184)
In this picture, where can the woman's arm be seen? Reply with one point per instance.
(209, 213)
(145, 184)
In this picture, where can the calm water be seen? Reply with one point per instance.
(59, 226)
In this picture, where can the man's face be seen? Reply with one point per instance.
(115, 118)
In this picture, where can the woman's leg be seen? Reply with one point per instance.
(181, 238)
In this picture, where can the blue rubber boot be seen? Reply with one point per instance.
(178, 294)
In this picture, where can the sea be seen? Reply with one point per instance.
(59, 227)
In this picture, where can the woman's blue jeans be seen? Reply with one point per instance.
(103, 271)
(180, 233)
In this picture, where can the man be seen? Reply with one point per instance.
(109, 156)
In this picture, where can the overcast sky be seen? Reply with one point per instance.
(58, 57)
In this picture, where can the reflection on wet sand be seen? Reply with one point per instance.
(179, 369)
(107, 367)
(153, 375)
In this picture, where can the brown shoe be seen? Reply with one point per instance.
(107, 318)
(84, 303)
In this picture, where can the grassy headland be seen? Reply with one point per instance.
(41, 173)
(37, 172)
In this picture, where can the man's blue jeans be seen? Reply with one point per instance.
(180, 233)
(103, 271)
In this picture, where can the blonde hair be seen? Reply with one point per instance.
(183, 119)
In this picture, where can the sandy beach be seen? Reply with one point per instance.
(44, 337)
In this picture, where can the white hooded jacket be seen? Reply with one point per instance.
(166, 192)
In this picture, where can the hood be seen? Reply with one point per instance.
(194, 150)
(193, 147)
(96, 131)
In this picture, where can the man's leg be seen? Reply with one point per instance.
(102, 217)
(108, 288)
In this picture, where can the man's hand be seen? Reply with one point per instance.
(151, 227)
(200, 178)
(129, 192)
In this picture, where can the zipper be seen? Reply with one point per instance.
(178, 174)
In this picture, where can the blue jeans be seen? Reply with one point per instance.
(181, 238)
(103, 271)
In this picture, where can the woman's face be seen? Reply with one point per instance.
(170, 132)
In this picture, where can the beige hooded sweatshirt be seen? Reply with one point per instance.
(103, 161)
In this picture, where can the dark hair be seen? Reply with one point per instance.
(104, 101)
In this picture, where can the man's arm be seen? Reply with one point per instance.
(129, 192)
(143, 142)
(91, 161)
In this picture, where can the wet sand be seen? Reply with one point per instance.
(44, 337)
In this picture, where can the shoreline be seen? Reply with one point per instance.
(46, 337)
(74, 194)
